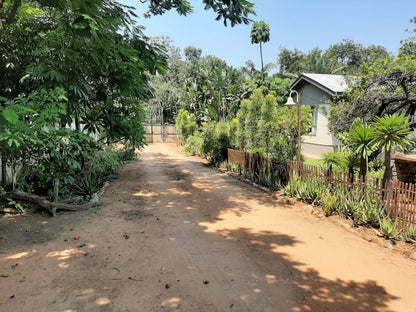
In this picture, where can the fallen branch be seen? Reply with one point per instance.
(42, 202)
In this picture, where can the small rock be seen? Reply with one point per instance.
(389, 246)
(94, 198)
(346, 226)
(308, 209)
(289, 201)
(368, 238)
(413, 256)
(338, 222)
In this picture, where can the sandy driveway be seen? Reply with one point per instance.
(175, 235)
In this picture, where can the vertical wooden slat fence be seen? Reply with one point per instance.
(398, 198)
(256, 163)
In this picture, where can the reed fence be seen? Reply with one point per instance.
(398, 198)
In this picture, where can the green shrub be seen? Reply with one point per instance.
(292, 186)
(358, 203)
(194, 145)
(231, 167)
(185, 125)
(266, 179)
(216, 141)
(258, 151)
(329, 203)
(388, 228)
(310, 191)
(411, 234)
(127, 154)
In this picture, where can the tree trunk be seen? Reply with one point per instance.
(44, 203)
(3, 170)
(363, 166)
(388, 173)
(261, 57)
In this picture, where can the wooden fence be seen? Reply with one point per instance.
(258, 164)
(160, 134)
(398, 198)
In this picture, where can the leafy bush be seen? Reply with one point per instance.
(216, 141)
(89, 182)
(258, 151)
(194, 144)
(127, 154)
(185, 125)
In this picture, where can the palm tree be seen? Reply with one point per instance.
(361, 141)
(260, 33)
(389, 131)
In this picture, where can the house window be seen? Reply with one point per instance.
(313, 129)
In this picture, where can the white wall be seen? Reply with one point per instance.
(322, 140)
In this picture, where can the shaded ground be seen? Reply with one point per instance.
(174, 234)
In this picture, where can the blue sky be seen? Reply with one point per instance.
(302, 24)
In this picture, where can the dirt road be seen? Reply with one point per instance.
(175, 235)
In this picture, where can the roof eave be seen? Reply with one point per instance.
(316, 84)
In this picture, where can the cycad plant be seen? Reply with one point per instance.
(389, 131)
(331, 159)
(361, 140)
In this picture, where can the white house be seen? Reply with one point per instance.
(317, 90)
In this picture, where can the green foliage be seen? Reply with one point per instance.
(194, 144)
(385, 87)
(235, 12)
(310, 190)
(185, 125)
(26, 127)
(388, 228)
(331, 159)
(266, 126)
(362, 206)
(15, 205)
(361, 141)
(329, 203)
(216, 138)
(389, 131)
(411, 234)
(271, 180)
(344, 57)
(260, 33)
(231, 167)
(234, 126)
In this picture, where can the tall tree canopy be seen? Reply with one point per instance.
(341, 58)
(95, 52)
(386, 86)
(260, 33)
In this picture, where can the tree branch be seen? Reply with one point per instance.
(44, 203)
